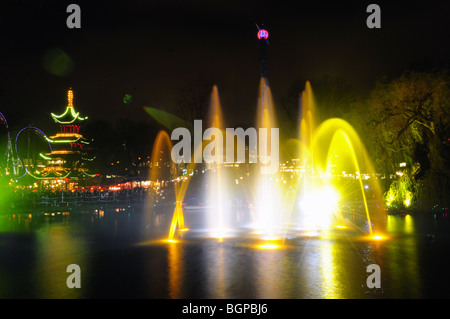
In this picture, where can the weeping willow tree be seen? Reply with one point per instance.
(404, 190)
(409, 123)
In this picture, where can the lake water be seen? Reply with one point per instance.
(121, 255)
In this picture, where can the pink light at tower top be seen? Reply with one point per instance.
(263, 34)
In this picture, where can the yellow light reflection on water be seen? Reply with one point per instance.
(329, 269)
(378, 237)
(268, 246)
(218, 272)
(375, 237)
(409, 224)
(175, 269)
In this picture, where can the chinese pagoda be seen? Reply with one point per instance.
(69, 154)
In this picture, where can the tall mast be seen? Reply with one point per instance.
(263, 36)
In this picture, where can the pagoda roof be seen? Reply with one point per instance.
(70, 115)
(67, 138)
(60, 172)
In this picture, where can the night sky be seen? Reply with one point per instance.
(152, 49)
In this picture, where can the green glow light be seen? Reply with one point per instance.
(127, 99)
(88, 159)
(87, 174)
(170, 121)
(57, 62)
(44, 157)
(45, 176)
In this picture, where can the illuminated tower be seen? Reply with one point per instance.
(69, 156)
(263, 36)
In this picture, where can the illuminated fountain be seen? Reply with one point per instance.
(326, 153)
(307, 203)
(161, 171)
(270, 216)
(218, 214)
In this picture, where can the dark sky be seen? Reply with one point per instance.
(152, 49)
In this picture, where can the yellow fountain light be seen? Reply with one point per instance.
(270, 243)
(220, 234)
(378, 237)
(268, 246)
(319, 206)
(270, 238)
(312, 233)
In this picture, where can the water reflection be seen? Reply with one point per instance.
(403, 224)
(175, 269)
(115, 261)
(330, 283)
(403, 257)
(268, 265)
(218, 272)
(56, 248)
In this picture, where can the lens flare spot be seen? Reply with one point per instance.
(268, 246)
(318, 207)
(378, 237)
(57, 62)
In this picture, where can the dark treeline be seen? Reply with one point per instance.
(123, 148)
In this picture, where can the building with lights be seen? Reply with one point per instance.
(67, 163)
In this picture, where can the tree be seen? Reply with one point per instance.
(193, 100)
(408, 119)
(122, 147)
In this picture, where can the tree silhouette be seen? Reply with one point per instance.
(409, 122)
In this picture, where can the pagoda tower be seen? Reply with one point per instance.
(70, 155)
